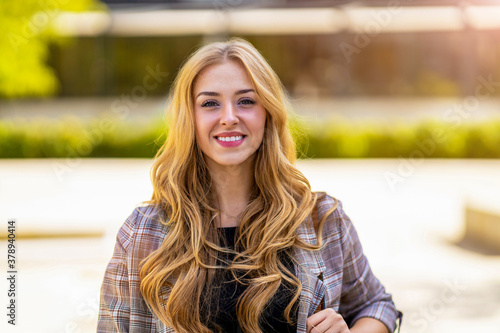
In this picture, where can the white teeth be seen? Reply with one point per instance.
(230, 138)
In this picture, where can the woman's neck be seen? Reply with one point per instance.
(233, 186)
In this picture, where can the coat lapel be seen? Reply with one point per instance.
(310, 267)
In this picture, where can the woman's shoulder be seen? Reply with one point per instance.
(327, 214)
(145, 224)
(331, 209)
(327, 203)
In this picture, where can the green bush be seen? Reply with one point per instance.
(336, 138)
(71, 137)
(339, 138)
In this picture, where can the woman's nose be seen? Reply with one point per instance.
(229, 116)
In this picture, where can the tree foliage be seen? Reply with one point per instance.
(24, 41)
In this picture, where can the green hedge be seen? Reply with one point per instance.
(112, 137)
(339, 138)
(72, 137)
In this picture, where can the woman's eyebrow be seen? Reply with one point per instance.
(213, 93)
(208, 93)
(243, 91)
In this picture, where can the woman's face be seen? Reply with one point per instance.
(229, 117)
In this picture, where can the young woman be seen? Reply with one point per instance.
(233, 239)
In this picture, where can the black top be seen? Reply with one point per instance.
(227, 291)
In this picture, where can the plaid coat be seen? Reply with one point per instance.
(339, 275)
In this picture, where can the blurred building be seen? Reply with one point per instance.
(318, 48)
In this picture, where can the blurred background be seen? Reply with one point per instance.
(396, 111)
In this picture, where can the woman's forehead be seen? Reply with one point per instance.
(229, 75)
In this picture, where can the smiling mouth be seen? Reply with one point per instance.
(230, 138)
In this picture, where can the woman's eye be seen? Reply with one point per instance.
(209, 104)
(247, 101)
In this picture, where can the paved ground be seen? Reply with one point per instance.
(409, 231)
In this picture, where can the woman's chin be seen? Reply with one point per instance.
(231, 162)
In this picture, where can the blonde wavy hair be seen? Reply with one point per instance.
(175, 277)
